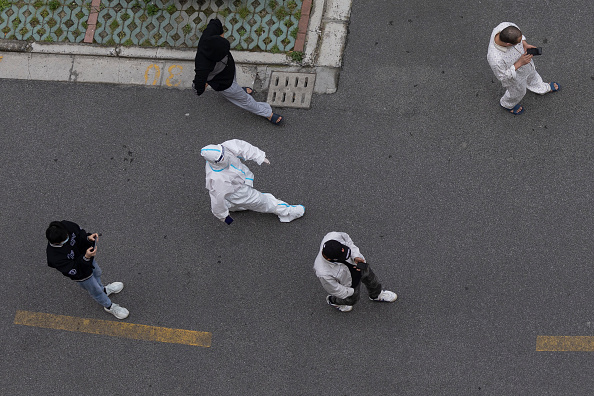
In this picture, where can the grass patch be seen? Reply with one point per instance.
(272, 4)
(275, 49)
(259, 30)
(291, 5)
(152, 9)
(171, 9)
(54, 5)
(4, 4)
(187, 29)
(125, 16)
(16, 22)
(114, 25)
(297, 56)
(243, 12)
(224, 12)
(241, 31)
(294, 33)
(128, 43)
(281, 13)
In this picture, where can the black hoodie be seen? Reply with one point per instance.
(68, 259)
(213, 64)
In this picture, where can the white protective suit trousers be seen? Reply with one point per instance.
(248, 198)
(236, 95)
(516, 91)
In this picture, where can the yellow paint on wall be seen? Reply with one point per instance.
(565, 343)
(114, 329)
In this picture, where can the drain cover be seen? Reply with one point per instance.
(291, 89)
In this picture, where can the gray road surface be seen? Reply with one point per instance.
(479, 220)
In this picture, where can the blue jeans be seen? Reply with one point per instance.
(95, 288)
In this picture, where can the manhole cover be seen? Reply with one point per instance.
(291, 89)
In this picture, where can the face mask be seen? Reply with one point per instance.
(61, 243)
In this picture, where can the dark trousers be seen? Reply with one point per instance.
(371, 282)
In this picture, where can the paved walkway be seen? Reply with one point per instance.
(150, 42)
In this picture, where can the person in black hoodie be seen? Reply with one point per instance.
(71, 250)
(214, 66)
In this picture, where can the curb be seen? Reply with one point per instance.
(323, 46)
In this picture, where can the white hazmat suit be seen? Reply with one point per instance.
(502, 59)
(231, 184)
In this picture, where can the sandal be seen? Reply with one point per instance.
(552, 85)
(246, 90)
(276, 119)
(516, 110)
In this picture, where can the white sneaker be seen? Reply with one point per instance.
(295, 212)
(385, 296)
(114, 287)
(117, 311)
(341, 308)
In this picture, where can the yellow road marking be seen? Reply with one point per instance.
(565, 343)
(114, 329)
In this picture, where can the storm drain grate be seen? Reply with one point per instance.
(291, 89)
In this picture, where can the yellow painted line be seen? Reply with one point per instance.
(114, 329)
(565, 343)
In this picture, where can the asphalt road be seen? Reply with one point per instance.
(480, 221)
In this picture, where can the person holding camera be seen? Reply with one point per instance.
(510, 58)
(341, 268)
(71, 250)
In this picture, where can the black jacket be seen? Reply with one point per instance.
(68, 259)
(213, 58)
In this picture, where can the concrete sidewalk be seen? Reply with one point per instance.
(324, 43)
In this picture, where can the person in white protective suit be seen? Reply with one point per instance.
(513, 66)
(231, 184)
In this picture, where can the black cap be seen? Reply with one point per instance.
(335, 251)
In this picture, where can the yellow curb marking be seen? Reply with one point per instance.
(114, 329)
(157, 74)
(565, 343)
(173, 75)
